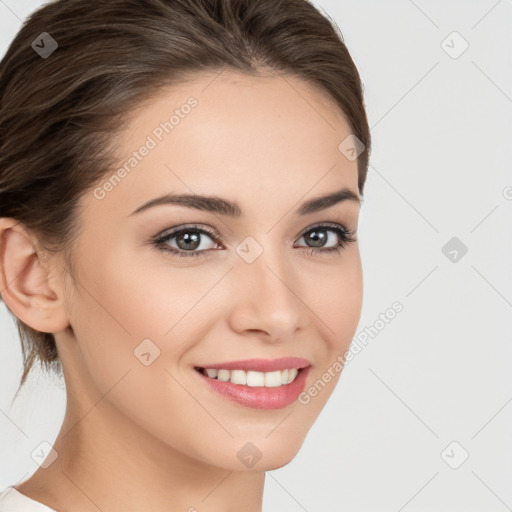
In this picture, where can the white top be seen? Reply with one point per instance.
(12, 500)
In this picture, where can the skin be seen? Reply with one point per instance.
(155, 437)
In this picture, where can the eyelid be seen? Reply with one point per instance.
(214, 233)
(336, 225)
(170, 233)
(347, 236)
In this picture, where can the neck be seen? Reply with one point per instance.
(106, 462)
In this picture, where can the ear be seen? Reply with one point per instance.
(25, 275)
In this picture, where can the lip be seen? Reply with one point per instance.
(261, 365)
(259, 397)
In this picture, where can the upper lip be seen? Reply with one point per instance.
(261, 365)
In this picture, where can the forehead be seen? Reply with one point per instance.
(234, 135)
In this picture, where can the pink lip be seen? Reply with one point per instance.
(262, 365)
(259, 397)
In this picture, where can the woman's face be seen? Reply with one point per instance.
(255, 281)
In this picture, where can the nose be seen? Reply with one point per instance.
(267, 298)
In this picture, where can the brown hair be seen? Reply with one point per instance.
(59, 111)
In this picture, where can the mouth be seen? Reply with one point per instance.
(261, 390)
(252, 378)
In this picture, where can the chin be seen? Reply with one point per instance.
(278, 464)
(278, 460)
(269, 458)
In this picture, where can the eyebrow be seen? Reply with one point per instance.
(224, 207)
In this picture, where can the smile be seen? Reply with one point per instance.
(259, 390)
(252, 378)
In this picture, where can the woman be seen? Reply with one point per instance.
(180, 186)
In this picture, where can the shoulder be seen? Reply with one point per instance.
(11, 500)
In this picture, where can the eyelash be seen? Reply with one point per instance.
(160, 240)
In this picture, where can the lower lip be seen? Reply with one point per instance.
(260, 397)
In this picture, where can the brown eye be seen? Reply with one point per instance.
(326, 238)
(317, 237)
(187, 241)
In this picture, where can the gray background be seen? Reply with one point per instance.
(439, 372)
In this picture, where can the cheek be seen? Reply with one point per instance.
(145, 300)
(123, 302)
(336, 299)
(123, 306)
(350, 293)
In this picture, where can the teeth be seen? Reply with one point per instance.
(211, 372)
(252, 379)
(238, 377)
(292, 374)
(223, 375)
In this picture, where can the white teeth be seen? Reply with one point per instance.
(238, 377)
(254, 379)
(273, 379)
(292, 374)
(211, 372)
(223, 375)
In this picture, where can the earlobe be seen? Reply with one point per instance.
(25, 280)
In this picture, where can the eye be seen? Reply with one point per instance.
(192, 240)
(325, 243)
(188, 240)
